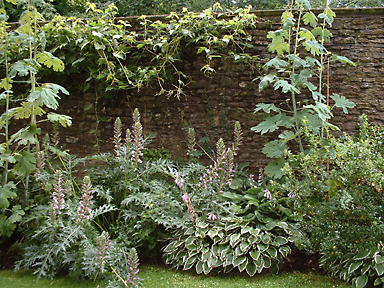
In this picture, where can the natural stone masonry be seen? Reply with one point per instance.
(213, 103)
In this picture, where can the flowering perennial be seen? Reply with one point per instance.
(58, 194)
(84, 209)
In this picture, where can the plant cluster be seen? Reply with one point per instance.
(118, 57)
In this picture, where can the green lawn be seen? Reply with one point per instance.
(162, 277)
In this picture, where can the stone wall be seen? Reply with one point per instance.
(213, 103)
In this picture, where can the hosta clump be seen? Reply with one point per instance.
(231, 243)
(361, 268)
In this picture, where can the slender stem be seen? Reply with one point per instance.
(293, 82)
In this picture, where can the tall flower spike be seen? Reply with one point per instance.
(84, 209)
(133, 269)
(103, 244)
(58, 194)
(117, 135)
(137, 138)
(191, 142)
(238, 137)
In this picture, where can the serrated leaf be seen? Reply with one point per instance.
(285, 87)
(22, 68)
(64, 120)
(27, 109)
(17, 214)
(25, 165)
(274, 168)
(267, 108)
(342, 102)
(266, 80)
(50, 61)
(361, 281)
(29, 136)
(276, 63)
(275, 149)
(278, 44)
(269, 124)
(310, 18)
(6, 193)
(343, 59)
(319, 33)
(314, 47)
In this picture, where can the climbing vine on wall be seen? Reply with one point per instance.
(123, 54)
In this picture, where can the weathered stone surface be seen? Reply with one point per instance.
(213, 103)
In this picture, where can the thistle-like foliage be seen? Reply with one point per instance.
(117, 135)
(191, 142)
(137, 138)
(58, 194)
(103, 245)
(84, 209)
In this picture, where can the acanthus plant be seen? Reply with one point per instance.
(300, 62)
(213, 179)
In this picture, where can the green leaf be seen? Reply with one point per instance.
(6, 193)
(362, 255)
(280, 240)
(267, 108)
(274, 269)
(274, 168)
(25, 165)
(189, 262)
(310, 18)
(275, 149)
(64, 120)
(285, 87)
(243, 265)
(251, 268)
(285, 250)
(276, 63)
(22, 68)
(314, 47)
(17, 214)
(269, 124)
(321, 33)
(199, 267)
(343, 59)
(270, 78)
(354, 266)
(272, 251)
(361, 281)
(379, 259)
(262, 247)
(342, 102)
(235, 239)
(50, 61)
(379, 269)
(29, 135)
(27, 109)
(278, 43)
(236, 184)
(239, 260)
(255, 254)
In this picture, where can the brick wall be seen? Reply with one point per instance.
(213, 103)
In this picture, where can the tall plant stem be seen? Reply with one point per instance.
(293, 83)
(6, 106)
